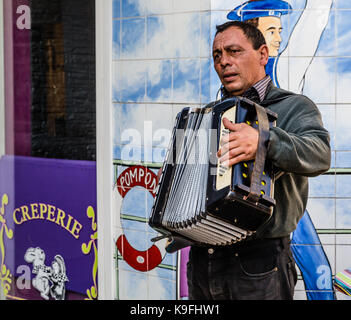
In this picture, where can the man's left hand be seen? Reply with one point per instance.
(239, 145)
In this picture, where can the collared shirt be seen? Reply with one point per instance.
(259, 90)
(261, 87)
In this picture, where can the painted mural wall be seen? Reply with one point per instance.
(162, 63)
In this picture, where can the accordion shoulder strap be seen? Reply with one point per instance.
(263, 128)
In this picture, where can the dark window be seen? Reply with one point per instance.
(63, 79)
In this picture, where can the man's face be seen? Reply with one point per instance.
(236, 62)
(271, 28)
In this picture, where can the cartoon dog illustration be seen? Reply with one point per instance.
(41, 282)
(48, 280)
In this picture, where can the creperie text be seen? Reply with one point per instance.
(42, 211)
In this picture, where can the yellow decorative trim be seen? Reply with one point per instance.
(5, 275)
(86, 248)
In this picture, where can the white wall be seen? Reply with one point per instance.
(106, 247)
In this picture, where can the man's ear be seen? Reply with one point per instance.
(264, 54)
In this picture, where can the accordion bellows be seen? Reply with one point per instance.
(200, 202)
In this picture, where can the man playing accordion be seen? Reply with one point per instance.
(262, 267)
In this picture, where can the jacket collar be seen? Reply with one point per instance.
(274, 94)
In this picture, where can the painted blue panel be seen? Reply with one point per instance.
(342, 4)
(170, 288)
(134, 203)
(159, 81)
(328, 118)
(152, 26)
(322, 212)
(205, 81)
(116, 9)
(117, 151)
(343, 186)
(158, 37)
(129, 152)
(342, 128)
(128, 123)
(343, 159)
(132, 81)
(188, 25)
(166, 273)
(186, 82)
(116, 54)
(129, 225)
(343, 66)
(343, 20)
(144, 286)
(214, 81)
(343, 213)
(322, 186)
(170, 259)
(159, 155)
(140, 240)
(297, 4)
(328, 42)
(130, 8)
(205, 40)
(323, 69)
(133, 38)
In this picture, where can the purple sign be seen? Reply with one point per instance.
(48, 227)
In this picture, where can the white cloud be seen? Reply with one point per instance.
(343, 87)
(343, 129)
(322, 213)
(225, 4)
(154, 70)
(153, 6)
(320, 78)
(185, 94)
(176, 35)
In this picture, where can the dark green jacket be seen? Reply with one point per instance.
(299, 147)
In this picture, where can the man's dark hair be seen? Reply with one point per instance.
(250, 31)
(253, 21)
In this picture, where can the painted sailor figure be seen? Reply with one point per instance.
(266, 16)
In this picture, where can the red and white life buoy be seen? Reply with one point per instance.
(139, 260)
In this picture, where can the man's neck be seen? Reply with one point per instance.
(260, 88)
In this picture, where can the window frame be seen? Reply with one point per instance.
(107, 286)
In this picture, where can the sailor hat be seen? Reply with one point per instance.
(259, 8)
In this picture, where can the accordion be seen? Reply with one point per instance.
(200, 202)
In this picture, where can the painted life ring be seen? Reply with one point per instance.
(148, 260)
